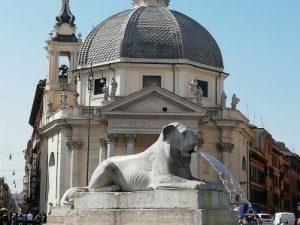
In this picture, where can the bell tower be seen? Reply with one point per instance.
(63, 48)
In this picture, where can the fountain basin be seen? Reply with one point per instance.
(162, 207)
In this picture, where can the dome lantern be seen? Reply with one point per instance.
(160, 3)
(65, 15)
(65, 27)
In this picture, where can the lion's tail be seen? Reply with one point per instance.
(68, 196)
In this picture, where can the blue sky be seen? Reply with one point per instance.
(259, 41)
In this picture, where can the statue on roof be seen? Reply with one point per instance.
(234, 102)
(114, 86)
(196, 91)
(223, 99)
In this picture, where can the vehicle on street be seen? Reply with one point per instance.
(250, 219)
(284, 218)
(265, 218)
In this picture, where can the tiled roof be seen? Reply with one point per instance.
(150, 33)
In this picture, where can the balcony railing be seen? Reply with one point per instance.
(214, 113)
(86, 111)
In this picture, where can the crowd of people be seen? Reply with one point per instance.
(9, 218)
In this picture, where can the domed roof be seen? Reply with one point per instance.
(146, 34)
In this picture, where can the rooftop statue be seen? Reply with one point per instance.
(114, 86)
(196, 91)
(235, 101)
(164, 165)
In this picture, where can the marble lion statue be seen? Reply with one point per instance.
(164, 165)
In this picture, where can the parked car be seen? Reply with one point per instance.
(265, 218)
(250, 219)
(284, 218)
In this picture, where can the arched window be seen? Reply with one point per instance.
(52, 159)
(244, 164)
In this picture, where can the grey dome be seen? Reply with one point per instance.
(146, 34)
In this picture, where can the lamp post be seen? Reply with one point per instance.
(90, 88)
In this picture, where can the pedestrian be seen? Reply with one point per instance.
(29, 218)
(5, 218)
(44, 218)
(37, 219)
(20, 219)
(14, 219)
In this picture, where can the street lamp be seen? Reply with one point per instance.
(102, 81)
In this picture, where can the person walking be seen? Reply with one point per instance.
(29, 218)
(37, 219)
(20, 219)
(5, 218)
(14, 219)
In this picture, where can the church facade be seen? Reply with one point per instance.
(111, 94)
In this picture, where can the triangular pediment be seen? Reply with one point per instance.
(154, 100)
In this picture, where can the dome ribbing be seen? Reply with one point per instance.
(148, 34)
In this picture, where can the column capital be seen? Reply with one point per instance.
(73, 144)
(111, 138)
(225, 147)
(130, 138)
(102, 141)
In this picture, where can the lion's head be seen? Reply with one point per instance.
(182, 143)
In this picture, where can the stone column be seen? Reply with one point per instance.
(225, 149)
(74, 146)
(200, 135)
(130, 143)
(195, 165)
(103, 150)
(111, 139)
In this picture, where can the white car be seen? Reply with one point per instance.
(265, 218)
(285, 218)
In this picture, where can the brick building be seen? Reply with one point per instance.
(274, 174)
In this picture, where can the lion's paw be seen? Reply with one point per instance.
(150, 188)
(198, 185)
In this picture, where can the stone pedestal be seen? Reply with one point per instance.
(163, 207)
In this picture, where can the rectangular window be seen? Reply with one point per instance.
(151, 80)
(204, 87)
(275, 199)
(98, 86)
(274, 161)
(276, 181)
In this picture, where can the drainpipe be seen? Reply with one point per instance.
(216, 92)
(56, 175)
(248, 171)
(47, 175)
(173, 67)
